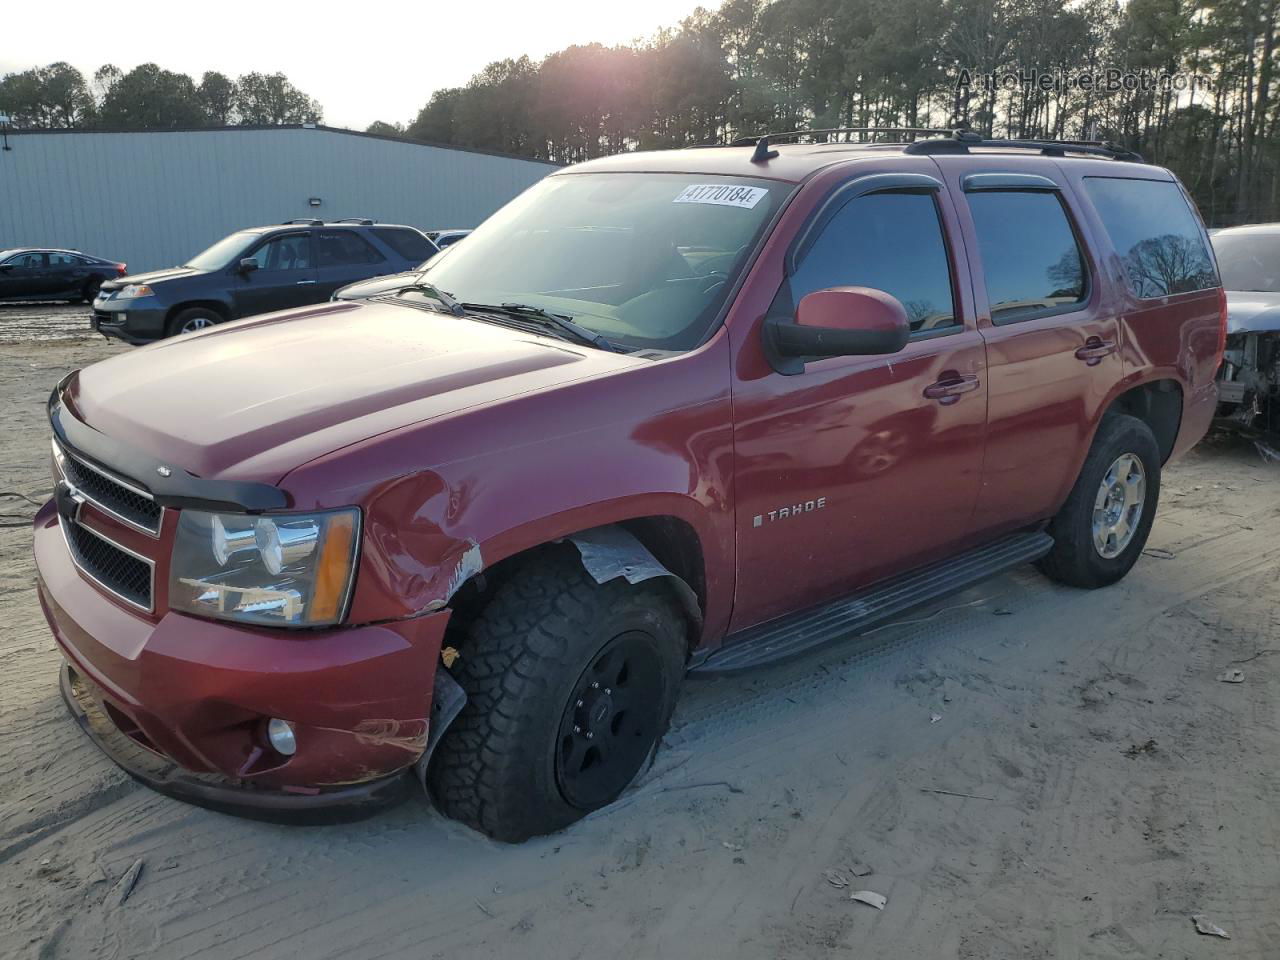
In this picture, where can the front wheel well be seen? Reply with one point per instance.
(219, 308)
(1158, 404)
(673, 542)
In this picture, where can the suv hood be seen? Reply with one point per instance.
(254, 399)
(1251, 311)
(155, 276)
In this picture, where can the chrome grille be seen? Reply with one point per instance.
(115, 569)
(114, 495)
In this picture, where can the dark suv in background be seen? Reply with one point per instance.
(253, 271)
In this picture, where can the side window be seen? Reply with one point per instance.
(28, 260)
(410, 244)
(891, 242)
(338, 248)
(1154, 232)
(290, 252)
(1031, 260)
(64, 260)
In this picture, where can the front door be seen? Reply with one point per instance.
(862, 467)
(286, 276)
(1052, 340)
(23, 275)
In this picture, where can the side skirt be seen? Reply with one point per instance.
(798, 633)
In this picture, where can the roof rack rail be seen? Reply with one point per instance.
(959, 141)
(749, 141)
(309, 221)
(363, 221)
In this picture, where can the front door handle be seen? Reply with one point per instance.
(949, 389)
(1094, 349)
(301, 282)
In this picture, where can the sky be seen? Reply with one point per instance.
(362, 61)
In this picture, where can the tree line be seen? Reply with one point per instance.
(59, 96)
(1194, 88)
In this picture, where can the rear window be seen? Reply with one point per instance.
(1157, 236)
(410, 244)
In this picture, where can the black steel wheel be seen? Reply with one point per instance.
(610, 722)
(570, 686)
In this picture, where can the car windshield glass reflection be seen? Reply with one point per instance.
(221, 253)
(1249, 261)
(646, 260)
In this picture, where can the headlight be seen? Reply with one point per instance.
(292, 569)
(133, 291)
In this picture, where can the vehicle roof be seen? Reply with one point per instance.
(328, 225)
(78, 253)
(1255, 228)
(795, 161)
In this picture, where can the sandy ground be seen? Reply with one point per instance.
(1088, 787)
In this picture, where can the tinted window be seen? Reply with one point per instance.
(1152, 228)
(223, 252)
(292, 252)
(28, 260)
(342, 247)
(891, 242)
(1249, 261)
(64, 260)
(1030, 259)
(410, 244)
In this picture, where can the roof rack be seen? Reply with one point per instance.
(959, 141)
(763, 151)
(362, 221)
(309, 221)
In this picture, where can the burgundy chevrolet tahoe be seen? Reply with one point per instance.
(665, 412)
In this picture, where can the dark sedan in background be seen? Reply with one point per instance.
(43, 273)
(254, 271)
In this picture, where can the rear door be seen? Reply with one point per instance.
(286, 276)
(67, 273)
(860, 467)
(342, 257)
(1050, 328)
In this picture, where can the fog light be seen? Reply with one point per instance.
(280, 735)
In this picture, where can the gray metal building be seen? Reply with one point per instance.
(155, 198)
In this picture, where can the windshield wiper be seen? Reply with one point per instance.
(556, 321)
(431, 290)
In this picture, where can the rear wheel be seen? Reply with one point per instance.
(570, 685)
(191, 320)
(91, 288)
(1100, 531)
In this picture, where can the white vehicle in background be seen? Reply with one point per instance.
(1249, 381)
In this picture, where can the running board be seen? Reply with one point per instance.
(797, 633)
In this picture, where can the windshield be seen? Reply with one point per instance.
(644, 259)
(1249, 261)
(222, 252)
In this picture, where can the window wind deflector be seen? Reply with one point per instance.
(976, 182)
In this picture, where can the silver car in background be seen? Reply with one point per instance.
(1249, 381)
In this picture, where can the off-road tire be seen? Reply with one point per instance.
(1074, 559)
(495, 767)
(183, 317)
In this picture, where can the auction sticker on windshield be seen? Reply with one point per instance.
(721, 194)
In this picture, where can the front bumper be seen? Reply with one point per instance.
(196, 693)
(134, 321)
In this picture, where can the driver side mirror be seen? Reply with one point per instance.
(5, 267)
(248, 265)
(837, 322)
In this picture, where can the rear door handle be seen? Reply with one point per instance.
(301, 282)
(1094, 349)
(948, 390)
